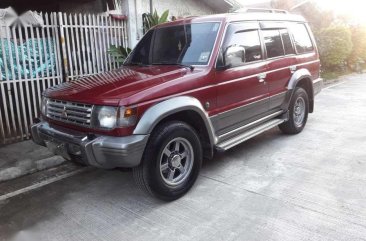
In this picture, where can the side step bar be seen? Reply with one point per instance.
(225, 145)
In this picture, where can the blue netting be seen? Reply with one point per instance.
(38, 48)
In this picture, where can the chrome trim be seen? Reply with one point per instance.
(69, 112)
(236, 140)
(247, 126)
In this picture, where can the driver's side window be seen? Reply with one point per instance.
(248, 40)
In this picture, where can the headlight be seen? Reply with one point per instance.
(104, 117)
(108, 117)
(44, 106)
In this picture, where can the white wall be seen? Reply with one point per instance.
(178, 8)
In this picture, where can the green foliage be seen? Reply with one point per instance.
(359, 45)
(335, 46)
(120, 53)
(151, 20)
(331, 75)
(339, 45)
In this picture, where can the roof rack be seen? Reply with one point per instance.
(261, 10)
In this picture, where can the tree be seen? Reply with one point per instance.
(318, 18)
(359, 44)
(335, 46)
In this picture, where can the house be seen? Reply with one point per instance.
(177, 8)
(133, 9)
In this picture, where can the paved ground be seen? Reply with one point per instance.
(23, 158)
(311, 186)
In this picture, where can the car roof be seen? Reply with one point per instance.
(235, 17)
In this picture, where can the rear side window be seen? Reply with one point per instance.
(250, 41)
(302, 39)
(287, 44)
(273, 42)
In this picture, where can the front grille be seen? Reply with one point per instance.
(70, 112)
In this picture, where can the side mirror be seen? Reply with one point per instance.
(233, 55)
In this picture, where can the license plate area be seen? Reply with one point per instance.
(58, 148)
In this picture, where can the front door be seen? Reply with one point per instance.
(242, 93)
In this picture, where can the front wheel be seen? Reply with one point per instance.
(298, 113)
(171, 161)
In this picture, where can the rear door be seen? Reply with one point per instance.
(242, 90)
(281, 60)
(307, 56)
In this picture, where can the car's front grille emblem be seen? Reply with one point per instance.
(64, 112)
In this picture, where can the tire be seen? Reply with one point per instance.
(298, 113)
(167, 171)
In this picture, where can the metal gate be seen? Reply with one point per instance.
(33, 59)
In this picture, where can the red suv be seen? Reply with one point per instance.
(189, 88)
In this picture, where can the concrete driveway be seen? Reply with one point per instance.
(311, 186)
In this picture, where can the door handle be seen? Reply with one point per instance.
(293, 69)
(261, 77)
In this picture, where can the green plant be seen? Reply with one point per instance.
(151, 20)
(120, 53)
(335, 46)
(359, 45)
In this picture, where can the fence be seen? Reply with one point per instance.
(33, 59)
(86, 41)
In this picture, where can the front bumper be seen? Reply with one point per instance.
(100, 151)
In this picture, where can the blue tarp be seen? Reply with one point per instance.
(38, 48)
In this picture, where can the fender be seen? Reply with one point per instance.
(159, 111)
(295, 79)
(297, 76)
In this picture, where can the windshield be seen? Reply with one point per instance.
(189, 44)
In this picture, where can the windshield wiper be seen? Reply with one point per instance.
(136, 64)
(177, 64)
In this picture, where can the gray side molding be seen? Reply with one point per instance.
(168, 107)
(299, 74)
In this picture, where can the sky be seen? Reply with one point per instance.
(353, 8)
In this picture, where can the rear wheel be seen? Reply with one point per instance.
(171, 161)
(298, 112)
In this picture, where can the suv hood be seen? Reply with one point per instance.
(110, 87)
